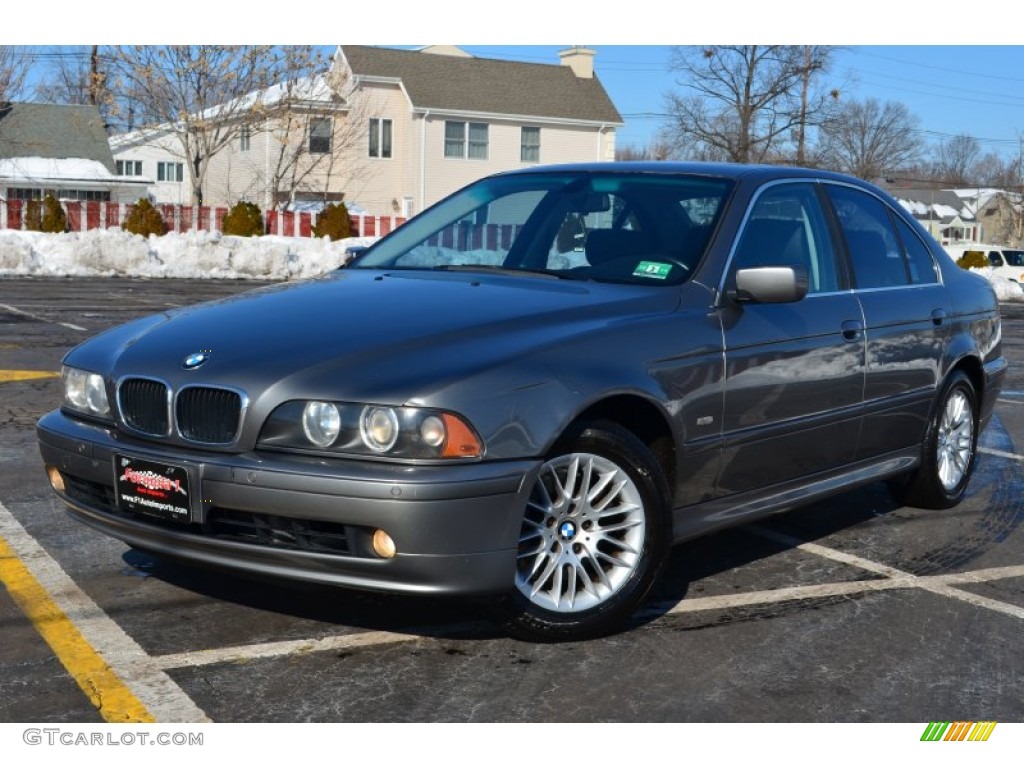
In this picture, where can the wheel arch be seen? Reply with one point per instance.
(643, 418)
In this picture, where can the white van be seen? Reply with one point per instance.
(1004, 261)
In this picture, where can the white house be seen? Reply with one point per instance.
(397, 130)
(60, 150)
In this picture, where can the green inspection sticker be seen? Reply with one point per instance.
(655, 269)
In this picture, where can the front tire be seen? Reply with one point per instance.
(949, 450)
(593, 540)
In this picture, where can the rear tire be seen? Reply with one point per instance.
(594, 538)
(948, 454)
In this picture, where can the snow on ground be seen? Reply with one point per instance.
(1006, 290)
(107, 252)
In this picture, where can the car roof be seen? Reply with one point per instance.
(737, 171)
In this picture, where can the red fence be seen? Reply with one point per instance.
(83, 216)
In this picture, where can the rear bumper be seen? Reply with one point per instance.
(995, 372)
(456, 527)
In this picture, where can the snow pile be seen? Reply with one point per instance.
(1006, 290)
(107, 252)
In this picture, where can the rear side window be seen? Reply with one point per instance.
(875, 253)
(919, 258)
(787, 228)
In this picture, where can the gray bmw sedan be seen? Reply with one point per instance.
(534, 388)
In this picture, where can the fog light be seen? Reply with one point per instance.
(55, 479)
(383, 544)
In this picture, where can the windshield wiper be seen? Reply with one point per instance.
(500, 270)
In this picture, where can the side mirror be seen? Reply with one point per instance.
(770, 285)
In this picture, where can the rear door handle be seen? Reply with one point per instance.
(938, 316)
(853, 330)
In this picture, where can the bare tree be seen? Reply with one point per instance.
(77, 75)
(743, 102)
(293, 170)
(15, 63)
(206, 95)
(870, 139)
(958, 156)
(656, 149)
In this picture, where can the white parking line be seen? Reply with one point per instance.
(146, 680)
(939, 584)
(242, 653)
(1001, 454)
(40, 318)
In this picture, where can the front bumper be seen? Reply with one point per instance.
(456, 527)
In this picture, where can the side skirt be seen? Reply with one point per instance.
(700, 519)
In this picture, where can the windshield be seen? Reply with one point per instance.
(615, 227)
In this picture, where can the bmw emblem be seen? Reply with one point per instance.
(195, 360)
(567, 530)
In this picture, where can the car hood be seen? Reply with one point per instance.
(365, 335)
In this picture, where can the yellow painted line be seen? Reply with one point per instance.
(25, 375)
(114, 700)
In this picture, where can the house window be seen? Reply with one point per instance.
(170, 172)
(454, 139)
(320, 135)
(380, 137)
(456, 144)
(244, 139)
(529, 145)
(478, 141)
(129, 167)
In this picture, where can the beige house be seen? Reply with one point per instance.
(395, 131)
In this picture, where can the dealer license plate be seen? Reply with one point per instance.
(153, 488)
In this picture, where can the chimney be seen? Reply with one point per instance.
(580, 60)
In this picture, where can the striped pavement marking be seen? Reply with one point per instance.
(40, 318)
(119, 678)
(7, 376)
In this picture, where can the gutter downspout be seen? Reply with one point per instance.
(266, 164)
(423, 162)
(600, 132)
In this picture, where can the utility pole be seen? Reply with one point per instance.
(95, 76)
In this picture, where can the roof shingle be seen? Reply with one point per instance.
(470, 84)
(58, 131)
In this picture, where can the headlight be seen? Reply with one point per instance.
(370, 430)
(321, 423)
(379, 428)
(85, 392)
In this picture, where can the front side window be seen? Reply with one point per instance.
(529, 145)
(787, 227)
(320, 135)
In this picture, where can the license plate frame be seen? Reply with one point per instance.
(153, 488)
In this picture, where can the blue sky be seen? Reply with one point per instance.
(978, 90)
(931, 58)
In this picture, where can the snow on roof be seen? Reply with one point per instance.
(914, 207)
(944, 211)
(49, 170)
(305, 90)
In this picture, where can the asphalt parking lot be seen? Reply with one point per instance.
(850, 610)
